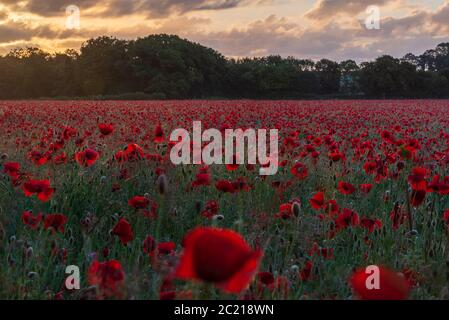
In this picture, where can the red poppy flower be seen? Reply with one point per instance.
(418, 178)
(336, 155)
(300, 171)
(202, 179)
(138, 202)
(37, 158)
(306, 271)
(388, 137)
(406, 152)
(370, 167)
(55, 222)
(11, 169)
(392, 286)
(285, 211)
(69, 133)
(218, 256)
(106, 129)
(346, 188)
(31, 221)
(332, 208)
(87, 157)
(346, 219)
(41, 188)
(60, 159)
(123, 230)
(438, 186)
(317, 201)
(132, 152)
(366, 187)
(266, 280)
(210, 210)
(240, 184)
(234, 165)
(159, 136)
(371, 224)
(166, 248)
(108, 276)
(149, 244)
(225, 186)
(418, 197)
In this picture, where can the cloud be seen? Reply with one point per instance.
(327, 9)
(157, 8)
(14, 31)
(3, 15)
(275, 35)
(414, 30)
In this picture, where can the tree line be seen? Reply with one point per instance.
(168, 67)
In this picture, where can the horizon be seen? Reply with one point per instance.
(311, 29)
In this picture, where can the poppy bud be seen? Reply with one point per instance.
(218, 217)
(103, 179)
(85, 222)
(296, 209)
(29, 253)
(162, 184)
(12, 239)
(32, 275)
(412, 233)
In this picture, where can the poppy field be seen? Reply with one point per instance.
(90, 184)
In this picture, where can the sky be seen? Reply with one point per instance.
(313, 29)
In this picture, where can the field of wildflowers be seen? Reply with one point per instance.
(90, 184)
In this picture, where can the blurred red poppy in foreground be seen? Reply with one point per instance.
(87, 157)
(108, 276)
(41, 188)
(392, 285)
(218, 256)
